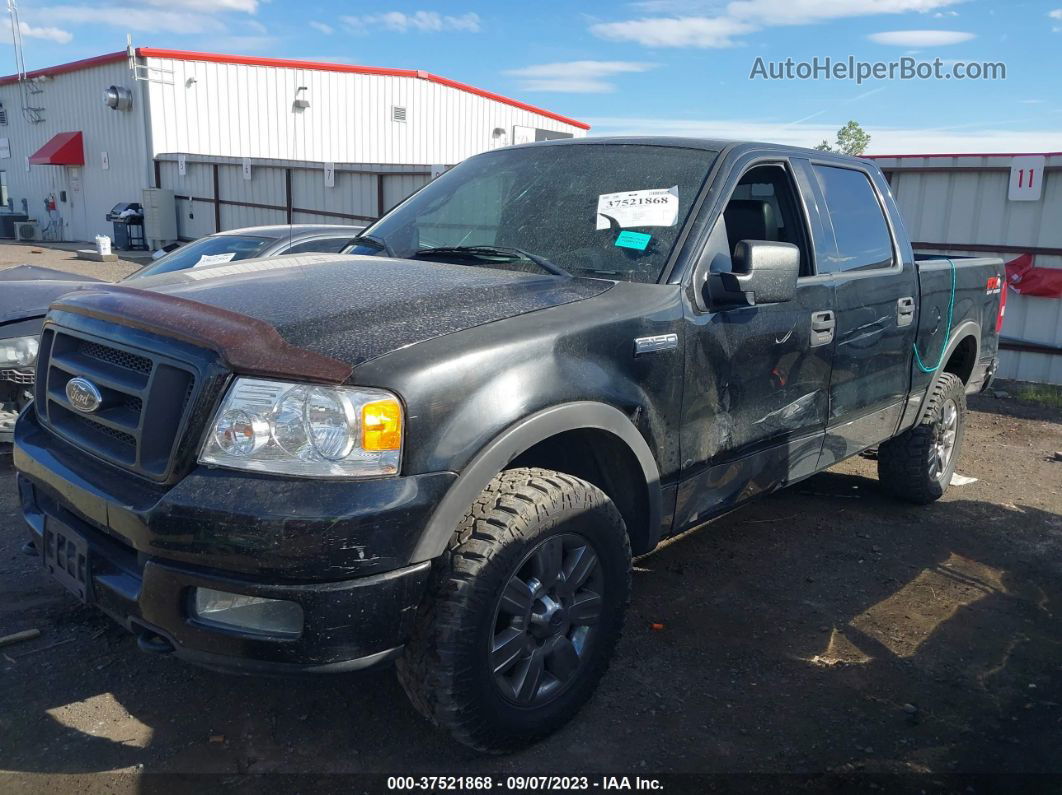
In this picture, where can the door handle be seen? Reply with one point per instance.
(905, 311)
(822, 327)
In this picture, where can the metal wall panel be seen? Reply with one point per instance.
(74, 101)
(963, 200)
(194, 219)
(352, 194)
(397, 187)
(238, 110)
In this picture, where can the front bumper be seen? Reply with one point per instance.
(338, 549)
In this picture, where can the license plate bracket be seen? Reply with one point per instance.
(65, 556)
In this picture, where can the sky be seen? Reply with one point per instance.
(657, 67)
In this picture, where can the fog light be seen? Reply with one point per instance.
(248, 613)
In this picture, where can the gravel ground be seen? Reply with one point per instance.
(63, 257)
(823, 630)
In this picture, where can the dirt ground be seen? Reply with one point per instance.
(63, 257)
(824, 630)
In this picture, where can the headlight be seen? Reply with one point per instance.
(307, 430)
(18, 351)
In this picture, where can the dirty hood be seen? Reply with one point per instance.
(22, 300)
(358, 308)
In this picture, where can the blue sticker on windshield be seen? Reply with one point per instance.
(636, 240)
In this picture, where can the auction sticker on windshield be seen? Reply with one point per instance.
(655, 207)
(214, 259)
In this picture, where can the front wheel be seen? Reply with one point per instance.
(523, 612)
(917, 465)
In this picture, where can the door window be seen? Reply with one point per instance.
(857, 235)
(763, 206)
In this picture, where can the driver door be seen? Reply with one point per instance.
(757, 377)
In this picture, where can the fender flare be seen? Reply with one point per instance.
(968, 328)
(522, 436)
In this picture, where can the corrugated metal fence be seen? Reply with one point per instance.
(958, 204)
(213, 194)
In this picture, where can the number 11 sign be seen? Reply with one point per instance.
(1026, 178)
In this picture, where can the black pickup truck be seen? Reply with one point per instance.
(446, 451)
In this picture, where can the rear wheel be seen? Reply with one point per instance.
(523, 613)
(917, 465)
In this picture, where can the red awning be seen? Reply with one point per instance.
(65, 149)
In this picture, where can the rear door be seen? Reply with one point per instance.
(875, 295)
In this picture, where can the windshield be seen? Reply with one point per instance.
(611, 210)
(207, 251)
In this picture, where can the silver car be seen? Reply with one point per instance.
(27, 291)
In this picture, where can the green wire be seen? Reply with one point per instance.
(947, 335)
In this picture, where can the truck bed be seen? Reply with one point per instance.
(979, 285)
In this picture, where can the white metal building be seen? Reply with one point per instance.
(238, 140)
(1006, 205)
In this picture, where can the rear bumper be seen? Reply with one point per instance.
(983, 375)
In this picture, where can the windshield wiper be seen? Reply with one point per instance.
(378, 242)
(508, 252)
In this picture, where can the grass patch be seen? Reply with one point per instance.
(1043, 394)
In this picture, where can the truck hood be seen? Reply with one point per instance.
(22, 300)
(25, 273)
(357, 308)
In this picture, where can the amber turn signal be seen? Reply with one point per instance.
(381, 425)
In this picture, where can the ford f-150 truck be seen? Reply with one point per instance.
(446, 451)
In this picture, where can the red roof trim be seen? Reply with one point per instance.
(73, 66)
(251, 60)
(969, 154)
(248, 60)
(62, 149)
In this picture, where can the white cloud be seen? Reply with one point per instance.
(208, 6)
(48, 33)
(321, 27)
(147, 16)
(802, 12)
(885, 140)
(1056, 14)
(920, 38)
(710, 32)
(140, 20)
(421, 21)
(942, 14)
(740, 17)
(575, 77)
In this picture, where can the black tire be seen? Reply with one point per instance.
(908, 465)
(447, 668)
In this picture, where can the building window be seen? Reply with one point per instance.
(3, 188)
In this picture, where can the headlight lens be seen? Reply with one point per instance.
(18, 351)
(301, 429)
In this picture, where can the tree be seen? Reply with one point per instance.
(851, 140)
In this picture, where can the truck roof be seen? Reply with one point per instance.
(707, 144)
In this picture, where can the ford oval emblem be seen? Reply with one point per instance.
(83, 395)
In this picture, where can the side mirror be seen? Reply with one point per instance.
(764, 272)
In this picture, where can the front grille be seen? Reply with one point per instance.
(24, 377)
(126, 359)
(145, 399)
